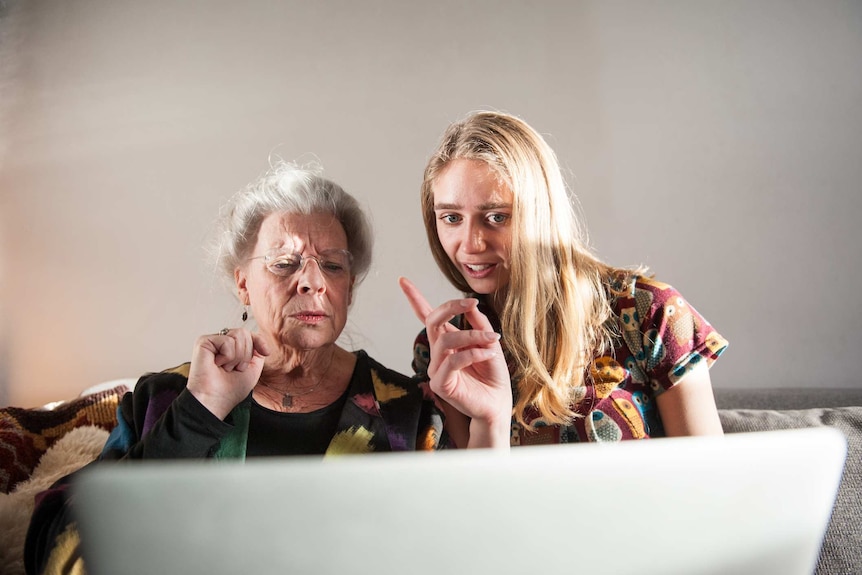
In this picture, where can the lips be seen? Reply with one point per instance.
(310, 316)
(478, 271)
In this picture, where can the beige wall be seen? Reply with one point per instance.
(718, 142)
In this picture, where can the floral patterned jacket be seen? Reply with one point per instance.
(661, 338)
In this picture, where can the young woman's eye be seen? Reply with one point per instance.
(450, 218)
(497, 218)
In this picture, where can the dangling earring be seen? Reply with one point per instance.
(245, 314)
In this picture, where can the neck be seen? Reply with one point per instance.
(497, 301)
(303, 386)
(297, 366)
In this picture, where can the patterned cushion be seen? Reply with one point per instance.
(26, 434)
(842, 546)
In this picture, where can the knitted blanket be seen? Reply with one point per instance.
(69, 453)
(26, 434)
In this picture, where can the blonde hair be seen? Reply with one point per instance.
(556, 311)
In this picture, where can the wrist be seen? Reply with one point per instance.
(215, 404)
(489, 433)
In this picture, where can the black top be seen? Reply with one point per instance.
(276, 433)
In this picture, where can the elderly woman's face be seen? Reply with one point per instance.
(298, 301)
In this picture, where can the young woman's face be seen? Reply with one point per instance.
(474, 223)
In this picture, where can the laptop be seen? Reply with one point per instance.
(744, 503)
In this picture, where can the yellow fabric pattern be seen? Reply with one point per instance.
(386, 391)
(353, 440)
(182, 369)
(607, 375)
(632, 416)
(428, 441)
(65, 558)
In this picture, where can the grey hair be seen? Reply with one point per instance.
(289, 188)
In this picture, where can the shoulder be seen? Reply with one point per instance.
(649, 305)
(636, 285)
(176, 374)
(661, 297)
(170, 381)
(650, 284)
(664, 331)
(644, 296)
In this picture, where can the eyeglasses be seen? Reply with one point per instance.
(333, 263)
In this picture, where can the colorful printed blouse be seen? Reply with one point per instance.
(383, 411)
(662, 338)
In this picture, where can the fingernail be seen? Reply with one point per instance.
(492, 335)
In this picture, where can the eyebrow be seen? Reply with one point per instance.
(284, 250)
(483, 207)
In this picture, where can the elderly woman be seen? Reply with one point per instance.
(295, 245)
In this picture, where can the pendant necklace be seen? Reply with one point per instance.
(287, 396)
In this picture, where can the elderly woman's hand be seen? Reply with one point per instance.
(225, 368)
(467, 367)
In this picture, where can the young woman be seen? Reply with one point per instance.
(593, 352)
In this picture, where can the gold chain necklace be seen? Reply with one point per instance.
(287, 396)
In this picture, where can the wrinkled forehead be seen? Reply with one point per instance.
(299, 233)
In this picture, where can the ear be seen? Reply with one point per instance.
(240, 278)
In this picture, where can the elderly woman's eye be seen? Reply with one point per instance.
(333, 267)
(283, 265)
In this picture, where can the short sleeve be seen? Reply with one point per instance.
(666, 335)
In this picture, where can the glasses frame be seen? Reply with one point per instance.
(320, 259)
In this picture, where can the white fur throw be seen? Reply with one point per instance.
(71, 452)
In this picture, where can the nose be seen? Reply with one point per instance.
(310, 277)
(474, 242)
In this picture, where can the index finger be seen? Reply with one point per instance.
(420, 305)
(478, 320)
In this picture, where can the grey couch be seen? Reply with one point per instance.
(744, 410)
